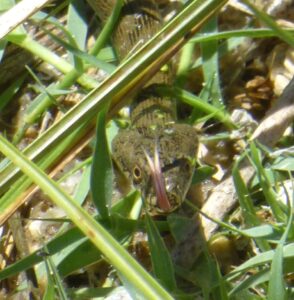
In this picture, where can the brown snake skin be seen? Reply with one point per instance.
(165, 181)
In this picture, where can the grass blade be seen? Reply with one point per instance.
(210, 65)
(198, 103)
(116, 254)
(282, 34)
(161, 260)
(101, 173)
(269, 193)
(262, 258)
(277, 289)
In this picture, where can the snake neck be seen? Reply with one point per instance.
(139, 21)
(150, 110)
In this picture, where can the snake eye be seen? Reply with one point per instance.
(137, 174)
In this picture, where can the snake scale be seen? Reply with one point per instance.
(157, 153)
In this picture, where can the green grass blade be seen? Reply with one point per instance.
(277, 287)
(251, 281)
(160, 257)
(262, 258)
(222, 290)
(81, 56)
(184, 64)
(245, 200)
(49, 293)
(284, 164)
(251, 32)
(73, 237)
(54, 246)
(210, 65)
(83, 188)
(73, 71)
(9, 92)
(76, 23)
(198, 103)
(83, 255)
(117, 255)
(282, 34)
(89, 293)
(101, 173)
(54, 279)
(26, 42)
(9, 200)
(105, 34)
(269, 193)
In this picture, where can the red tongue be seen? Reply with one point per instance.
(158, 181)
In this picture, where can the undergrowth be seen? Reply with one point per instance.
(251, 256)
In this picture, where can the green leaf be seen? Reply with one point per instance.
(17, 187)
(262, 258)
(236, 34)
(251, 282)
(56, 245)
(202, 173)
(210, 64)
(262, 276)
(126, 206)
(53, 276)
(277, 287)
(161, 260)
(259, 231)
(198, 103)
(245, 200)
(82, 190)
(276, 284)
(222, 290)
(80, 257)
(89, 293)
(102, 174)
(76, 22)
(284, 164)
(50, 289)
(265, 183)
(82, 56)
(179, 224)
(107, 30)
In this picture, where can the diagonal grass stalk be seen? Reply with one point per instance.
(110, 248)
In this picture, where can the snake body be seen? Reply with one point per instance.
(155, 137)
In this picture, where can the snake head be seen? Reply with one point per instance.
(159, 162)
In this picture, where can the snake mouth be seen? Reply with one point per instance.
(162, 200)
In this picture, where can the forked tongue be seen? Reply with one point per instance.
(158, 181)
